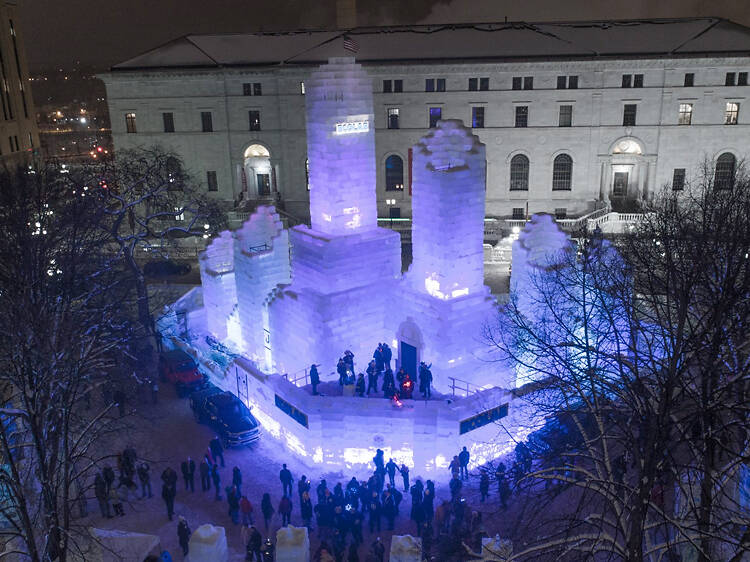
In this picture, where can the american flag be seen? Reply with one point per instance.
(350, 44)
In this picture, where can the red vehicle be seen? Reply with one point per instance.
(178, 367)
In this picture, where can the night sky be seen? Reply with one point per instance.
(104, 32)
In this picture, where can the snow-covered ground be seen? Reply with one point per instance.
(167, 433)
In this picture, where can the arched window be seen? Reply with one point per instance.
(394, 173)
(562, 173)
(519, 173)
(724, 174)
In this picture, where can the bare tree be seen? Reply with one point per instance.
(637, 351)
(61, 330)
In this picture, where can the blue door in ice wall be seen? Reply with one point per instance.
(409, 359)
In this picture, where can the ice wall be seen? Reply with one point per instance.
(448, 212)
(261, 258)
(341, 147)
(217, 279)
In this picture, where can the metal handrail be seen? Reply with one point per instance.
(459, 385)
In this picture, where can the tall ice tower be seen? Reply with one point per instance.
(345, 269)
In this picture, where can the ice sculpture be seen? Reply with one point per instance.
(292, 544)
(448, 212)
(341, 148)
(217, 280)
(261, 263)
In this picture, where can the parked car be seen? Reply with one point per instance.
(178, 367)
(223, 412)
(164, 268)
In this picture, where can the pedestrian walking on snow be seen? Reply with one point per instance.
(463, 460)
(188, 474)
(314, 378)
(286, 480)
(237, 479)
(217, 451)
(144, 476)
(205, 471)
(217, 481)
(168, 493)
(404, 470)
(267, 509)
(183, 535)
(285, 510)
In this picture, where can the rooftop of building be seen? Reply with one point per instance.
(508, 41)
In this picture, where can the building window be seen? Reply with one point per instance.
(517, 81)
(522, 115)
(561, 213)
(519, 213)
(724, 175)
(562, 82)
(519, 173)
(566, 116)
(686, 114)
(637, 80)
(257, 89)
(562, 173)
(247, 89)
(484, 84)
(393, 117)
(732, 113)
(211, 181)
(573, 82)
(441, 84)
(398, 86)
(254, 119)
(207, 121)
(742, 79)
(627, 80)
(179, 214)
(528, 82)
(394, 212)
(729, 79)
(130, 122)
(473, 84)
(429, 85)
(678, 179)
(394, 173)
(628, 114)
(477, 117)
(436, 114)
(689, 79)
(387, 86)
(302, 88)
(168, 119)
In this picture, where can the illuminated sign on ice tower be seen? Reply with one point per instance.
(341, 148)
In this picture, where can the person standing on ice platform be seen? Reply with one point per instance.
(463, 461)
(389, 385)
(360, 388)
(401, 375)
(349, 360)
(387, 356)
(425, 379)
(314, 378)
(341, 370)
(404, 470)
(372, 377)
(378, 358)
(391, 468)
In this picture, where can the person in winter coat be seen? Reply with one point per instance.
(314, 378)
(237, 479)
(144, 476)
(109, 476)
(267, 509)
(389, 509)
(352, 556)
(233, 501)
(306, 510)
(463, 461)
(360, 386)
(183, 535)
(404, 470)
(378, 550)
(389, 384)
(188, 474)
(391, 468)
(374, 511)
(285, 510)
(168, 493)
(372, 377)
(217, 481)
(100, 491)
(217, 451)
(205, 470)
(287, 480)
(253, 545)
(387, 354)
(246, 510)
(455, 486)
(454, 467)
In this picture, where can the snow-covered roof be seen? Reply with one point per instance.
(485, 41)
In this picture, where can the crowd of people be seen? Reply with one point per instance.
(397, 387)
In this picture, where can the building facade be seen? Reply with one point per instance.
(18, 128)
(572, 114)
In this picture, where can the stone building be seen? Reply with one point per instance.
(571, 114)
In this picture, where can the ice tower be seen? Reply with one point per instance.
(445, 297)
(217, 280)
(344, 268)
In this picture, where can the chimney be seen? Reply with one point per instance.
(346, 14)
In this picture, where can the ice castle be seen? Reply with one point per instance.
(273, 301)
